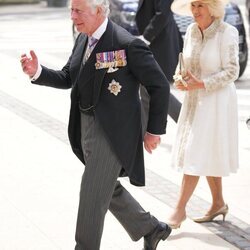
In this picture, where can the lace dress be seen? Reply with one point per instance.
(207, 134)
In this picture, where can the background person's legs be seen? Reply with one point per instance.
(174, 107)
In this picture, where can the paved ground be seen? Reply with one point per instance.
(40, 176)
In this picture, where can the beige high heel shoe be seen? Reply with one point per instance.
(207, 218)
(176, 225)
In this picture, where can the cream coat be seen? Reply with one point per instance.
(207, 135)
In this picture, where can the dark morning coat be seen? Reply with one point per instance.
(156, 23)
(119, 116)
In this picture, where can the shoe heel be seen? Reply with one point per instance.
(225, 212)
(167, 233)
(224, 216)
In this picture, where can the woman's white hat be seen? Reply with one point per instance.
(183, 7)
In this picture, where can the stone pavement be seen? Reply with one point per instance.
(40, 176)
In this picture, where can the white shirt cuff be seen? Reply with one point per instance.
(152, 134)
(144, 40)
(37, 74)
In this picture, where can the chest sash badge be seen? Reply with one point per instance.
(114, 87)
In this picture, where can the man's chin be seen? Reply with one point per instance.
(79, 27)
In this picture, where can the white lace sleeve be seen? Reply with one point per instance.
(229, 53)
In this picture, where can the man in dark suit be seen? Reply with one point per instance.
(105, 70)
(158, 29)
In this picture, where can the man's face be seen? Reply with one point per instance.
(85, 18)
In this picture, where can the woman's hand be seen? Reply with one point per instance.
(180, 86)
(179, 83)
(193, 82)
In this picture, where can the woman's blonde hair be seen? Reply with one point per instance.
(216, 8)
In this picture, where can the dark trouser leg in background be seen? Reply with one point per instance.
(174, 107)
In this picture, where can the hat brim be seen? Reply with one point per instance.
(183, 7)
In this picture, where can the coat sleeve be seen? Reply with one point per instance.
(56, 78)
(160, 19)
(144, 67)
(229, 53)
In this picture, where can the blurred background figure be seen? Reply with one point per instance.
(157, 26)
(248, 123)
(158, 29)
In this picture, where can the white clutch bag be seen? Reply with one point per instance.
(181, 71)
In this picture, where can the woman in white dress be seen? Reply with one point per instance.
(207, 135)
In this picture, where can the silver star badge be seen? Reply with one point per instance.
(114, 87)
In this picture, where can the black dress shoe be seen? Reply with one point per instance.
(161, 232)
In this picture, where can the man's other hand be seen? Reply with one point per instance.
(151, 142)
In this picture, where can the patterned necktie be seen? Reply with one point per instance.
(91, 45)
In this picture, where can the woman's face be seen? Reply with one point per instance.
(201, 14)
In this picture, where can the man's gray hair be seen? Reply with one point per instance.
(104, 4)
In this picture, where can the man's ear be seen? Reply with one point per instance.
(99, 11)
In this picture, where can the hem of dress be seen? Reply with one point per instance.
(181, 169)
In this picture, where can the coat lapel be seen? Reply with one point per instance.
(76, 61)
(99, 76)
(105, 44)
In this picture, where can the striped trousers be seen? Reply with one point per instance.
(101, 191)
